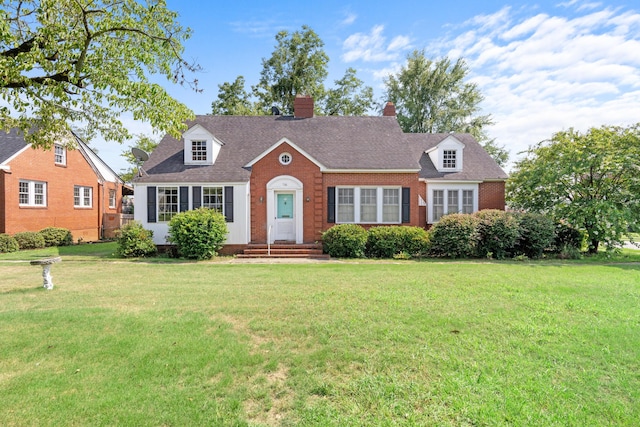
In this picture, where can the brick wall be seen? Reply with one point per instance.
(491, 195)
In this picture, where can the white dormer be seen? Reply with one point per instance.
(200, 147)
(448, 155)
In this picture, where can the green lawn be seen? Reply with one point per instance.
(329, 344)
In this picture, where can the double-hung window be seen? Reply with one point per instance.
(167, 203)
(82, 196)
(451, 200)
(212, 198)
(449, 159)
(112, 199)
(32, 193)
(368, 205)
(346, 208)
(467, 201)
(199, 151)
(59, 154)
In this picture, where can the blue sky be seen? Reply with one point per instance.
(542, 66)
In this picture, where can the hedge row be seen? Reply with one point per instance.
(50, 236)
(484, 234)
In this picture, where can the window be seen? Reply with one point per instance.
(467, 201)
(376, 205)
(368, 205)
(199, 151)
(59, 154)
(32, 193)
(82, 196)
(285, 158)
(212, 198)
(112, 199)
(452, 201)
(391, 205)
(167, 203)
(345, 205)
(448, 159)
(438, 204)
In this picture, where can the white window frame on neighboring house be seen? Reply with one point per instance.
(368, 205)
(32, 193)
(443, 199)
(60, 154)
(112, 199)
(82, 196)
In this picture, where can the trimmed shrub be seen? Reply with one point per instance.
(455, 236)
(536, 234)
(135, 241)
(567, 237)
(54, 236)
(29, 240)
(198, 234)
(498, 233)
(389, 241)
(8, 243)
(345, 241)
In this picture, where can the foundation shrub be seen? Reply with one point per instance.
(389, 241)
(498, 233)
(8, 243)
(55, 236)
(536, 234)
(345, 241)
(134, 241)
(29, 240)
(454, 236)
(198, 234)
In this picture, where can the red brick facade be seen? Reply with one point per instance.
(491, 195)
(85, 223)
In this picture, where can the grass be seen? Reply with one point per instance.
(328, 344)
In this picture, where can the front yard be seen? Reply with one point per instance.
(326, 344)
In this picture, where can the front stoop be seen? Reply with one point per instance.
(284, 250)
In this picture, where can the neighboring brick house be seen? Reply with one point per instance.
(63, 187)
(290, 178)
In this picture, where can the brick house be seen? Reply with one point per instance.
(289, 178)
(63, 187)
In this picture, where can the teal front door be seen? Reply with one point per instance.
(285, 224)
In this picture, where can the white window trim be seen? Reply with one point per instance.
(158, 213)
(63, 155)
(379, 204)
(113, 202)
(32, 194)
(82, 189)
(446, 188)
(202, 204)
(285, 158)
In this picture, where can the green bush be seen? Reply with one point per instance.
(536, 234)
(498, 233)
(345, 241)
(567, 238)
(54, 236)
(8, 243)
(135, 241)
(29, 240)
(198, 234)
(389, 241)
(454, 236)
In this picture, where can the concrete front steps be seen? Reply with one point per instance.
(284, 250)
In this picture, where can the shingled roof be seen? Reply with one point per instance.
(336, 143)
(10, 143)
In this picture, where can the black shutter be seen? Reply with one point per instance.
(406, 204)
(151, 204)
(197, 197)
(228, 203)
(331, 205)
(184, 199)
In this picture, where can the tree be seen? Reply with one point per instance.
(349, 97)
(433, 97)
(67, 62)
(591, 180)
(497, 152)
(144, 143)
(233, 100)
(298, 65)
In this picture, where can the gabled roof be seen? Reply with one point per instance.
(478, 165)
(10, 144)
(336, 142)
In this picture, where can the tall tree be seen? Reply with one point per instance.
(144, 143)
(349, 97)
(233, 100)
(298, 65)
(89, 61)
(433, 96)
(591, 180)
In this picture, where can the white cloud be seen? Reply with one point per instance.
(349, 19)
(373, 47)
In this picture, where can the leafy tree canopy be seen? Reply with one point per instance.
(591, 180)
(87, 62)
(233, 100)
(144, 143)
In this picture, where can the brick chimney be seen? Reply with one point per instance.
(389, 110)
(303, 107)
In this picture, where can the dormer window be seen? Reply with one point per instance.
(199, 151)
(448, 159)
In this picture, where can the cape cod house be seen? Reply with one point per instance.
(68, 186)
(290, 178)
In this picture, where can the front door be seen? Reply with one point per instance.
(285, 223)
